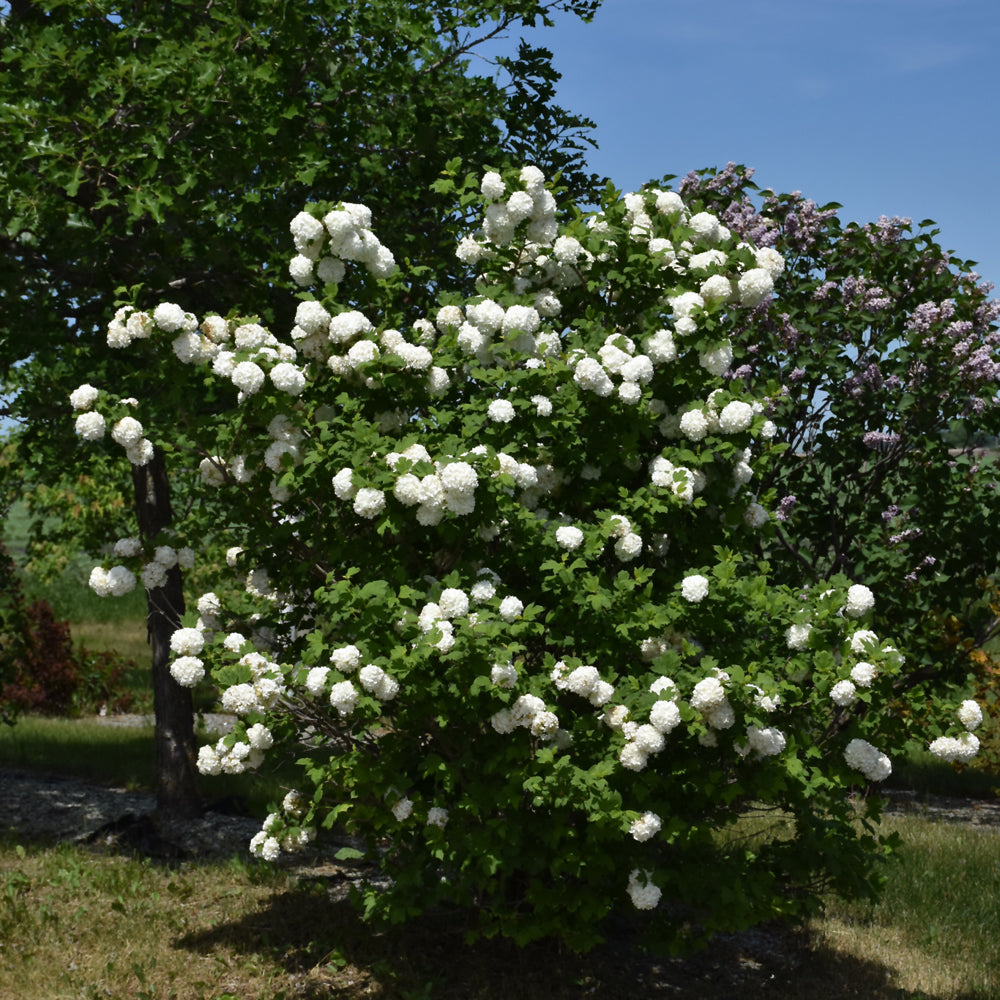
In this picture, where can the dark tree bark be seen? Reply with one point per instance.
(176, 775)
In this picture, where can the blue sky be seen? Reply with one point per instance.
(885, 106)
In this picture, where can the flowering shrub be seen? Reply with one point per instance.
(493, 584)
(888, 355)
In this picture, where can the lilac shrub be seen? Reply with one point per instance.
(888, 355)
(496, 582)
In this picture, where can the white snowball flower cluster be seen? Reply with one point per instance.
(569, 537)
(437, 816)
(344, 698)
(970, 715)
(187, 642)
(587, 683)
(344, 235)
(863, 641)
(863, 674)
(871, 762)
(83, 397)
(527, 712)
(90, 426)
(645, 895)
(187, 670)
(736, 416)
(378, 683)
(694, 588)
(766, 742)
(646, 827)
(860, 600)
(755, 286)
(956, 749)
(843, 693)
(115, 582)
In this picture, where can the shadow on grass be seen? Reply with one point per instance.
(332, 953)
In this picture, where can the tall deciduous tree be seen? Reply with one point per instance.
(161, 148)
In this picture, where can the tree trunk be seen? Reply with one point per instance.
(176, 775)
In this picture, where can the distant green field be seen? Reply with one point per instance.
(15, 530)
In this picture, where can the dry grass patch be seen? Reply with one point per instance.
(76, 923)
(935, 926)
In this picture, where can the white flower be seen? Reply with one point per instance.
(503, 675)
(770, 260)
(970, 715)
(722, 716)
(525, 708)
(645, 827)
(343, 484)
(503, 721)
(862, 756)
(860, 600)
(755, 516)
(90, 426)
(259, 737)
(369, 503)
(736, 416)
(344, 697)
(797, 636)
(716, 360)
(500, 411)
(708, 694)
(961, 748)
(83, 397)
(569, 537)
(187, 670)
(482, 591)
(247, 377)
(240, 699)
(510, 608)
(544, 725)
(234, 642)
(127, 548)
(716, 288)
(643, 893)
(307, 233)
(843, 693)
(863, 640)
(492, 186)
(589, 374)
(453, 603)
(99, 583)
(665, 716)
(187, 641)
(436, 816)
(316, 680)
(402, 809)
(648, 739)
(378, 683)
(863, 674)
(169, 317)
(208, 761)
(209, 605)
(694, 425)
(287, 378)
(628, 547)
(633, 757)
(754, 286)
(767, 742)
(694, 588)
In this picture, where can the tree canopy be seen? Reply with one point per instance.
(162, 148)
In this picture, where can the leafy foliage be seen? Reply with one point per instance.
(500, 593)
